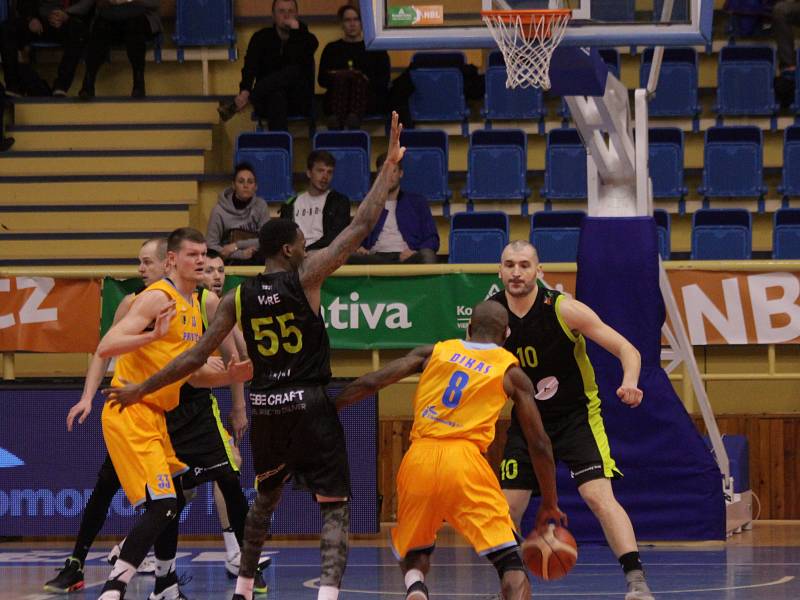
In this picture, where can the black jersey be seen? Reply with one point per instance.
(286, 340)
(552, 356)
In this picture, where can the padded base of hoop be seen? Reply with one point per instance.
(577, 71)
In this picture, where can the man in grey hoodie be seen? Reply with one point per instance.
(237, 218)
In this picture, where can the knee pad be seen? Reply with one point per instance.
(166, 508)
(507, 559)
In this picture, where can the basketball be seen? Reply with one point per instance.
(552, 555)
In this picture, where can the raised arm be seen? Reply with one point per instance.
(519, 388)
(131, 332)
(357, 390)
(322, 263)
(186, 363)
(584, 320)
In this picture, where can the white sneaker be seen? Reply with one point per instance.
(148, 566)
(637, 587)
(173, 592)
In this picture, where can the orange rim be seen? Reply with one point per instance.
(528, 16)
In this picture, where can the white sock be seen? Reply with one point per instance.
(328, 592)
(123, 571)
(163, 567)
(110, 595)
(412, 576)
(231, 545)
(244, 587)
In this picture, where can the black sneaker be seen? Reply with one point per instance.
(69, 579)
(417, 591)
(238, 597)
(259, 585)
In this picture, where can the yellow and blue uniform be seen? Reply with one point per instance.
(444, 476)
(137, 438)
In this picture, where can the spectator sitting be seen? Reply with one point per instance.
(134, 22)
(785, 15)
(405, 232)
(357, 81)
(278, 72)
(65, 23)
(237, 218)
(320, 212)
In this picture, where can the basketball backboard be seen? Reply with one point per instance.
(441, 24)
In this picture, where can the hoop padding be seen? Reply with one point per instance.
(527, 39)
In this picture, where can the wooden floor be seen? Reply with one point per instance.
(762, 564)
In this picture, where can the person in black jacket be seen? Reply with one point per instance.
(5, 142)
(321, 213)
(357, 81)
(278, 72)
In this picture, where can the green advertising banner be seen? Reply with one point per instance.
(114, 290)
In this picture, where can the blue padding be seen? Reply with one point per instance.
(672, 487)
(738, 449)
(577, 71)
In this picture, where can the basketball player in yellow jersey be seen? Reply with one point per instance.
(444, 476)
(162, 322)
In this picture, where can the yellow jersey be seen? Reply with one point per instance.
(460, 393)
(184, 331)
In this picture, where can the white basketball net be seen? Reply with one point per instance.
(527, 42)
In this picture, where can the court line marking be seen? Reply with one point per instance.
(314, 584)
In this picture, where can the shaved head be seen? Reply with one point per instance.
(522, 246)
(489, 322)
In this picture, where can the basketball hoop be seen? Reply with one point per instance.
(527, 39)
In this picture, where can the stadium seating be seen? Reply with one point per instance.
(721, 234)
(478, 237)
(680, 10)
(676, 94)
(352, 152)
(786, 234)
(733, 163)
(270, 155)
(664, 230)
(438, 88)
(618, 10)
(565, 166)
(426, 163)
(502, 103)
(555, 234)
(204, 23)
(666, 162)
(496, 165)
(790, 181)
(744, 81)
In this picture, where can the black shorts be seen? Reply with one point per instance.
(579, 440)
(201, 441)
(295, 432)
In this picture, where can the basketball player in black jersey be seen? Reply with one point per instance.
(295, 430)
(547, 336)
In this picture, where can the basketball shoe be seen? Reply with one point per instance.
(69, 578)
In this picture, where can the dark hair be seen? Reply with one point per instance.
(274, 2)
(275, 233)
(489, 319)
(244, 166)
(382, 159)
(323, 156)
(344, 8)
(177, 237)
(212, 254)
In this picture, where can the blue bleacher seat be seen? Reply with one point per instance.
(502, 103)
(721, 234)
(610, 56)
(676, 94)
(352, 152)
(426, 163)
(3, 10)
(733, 163)
(497, 165)
(438, 87)
(565, 166)
(680, 10)
(664, 230)
(204, 23)
(786, 234)
(666, 162)
(796, 105)
(745, 81)
(618, 10)
(270, 155)
(478, 237)
(555, 234)
(790, 183)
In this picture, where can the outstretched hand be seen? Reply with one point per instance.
(396, 151)
(123, 396)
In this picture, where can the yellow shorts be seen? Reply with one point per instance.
(142, 453)
(449, 480)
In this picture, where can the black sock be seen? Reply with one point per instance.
(631, 562)
(96, 511)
